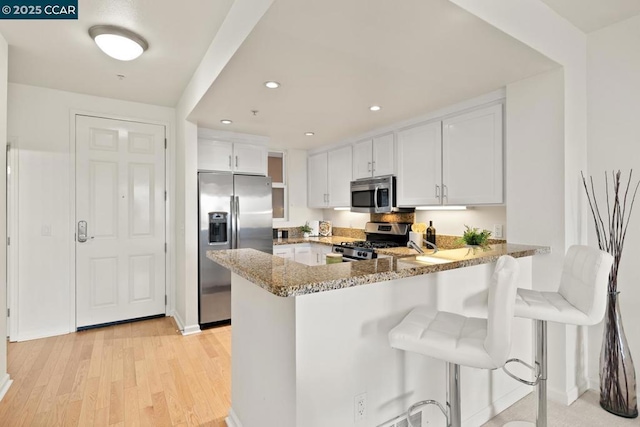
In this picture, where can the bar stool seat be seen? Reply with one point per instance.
(445, 336)
(460, 340)
(580, 300)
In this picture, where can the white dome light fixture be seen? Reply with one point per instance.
(117, 42)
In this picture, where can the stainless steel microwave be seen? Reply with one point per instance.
(374, 195)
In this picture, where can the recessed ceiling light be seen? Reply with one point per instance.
(226, 121)
(117, 42)
(309, 133)
(272, 85)
(375, 108)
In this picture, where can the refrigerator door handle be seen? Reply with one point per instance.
(236, 220)
(232, 222)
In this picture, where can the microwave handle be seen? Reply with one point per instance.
(375, 198)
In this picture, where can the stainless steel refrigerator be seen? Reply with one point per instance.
(235, 211)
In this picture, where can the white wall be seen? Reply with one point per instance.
(39, 120)
(4, 376)
(445, 222)
(614, 143)
(536, 207)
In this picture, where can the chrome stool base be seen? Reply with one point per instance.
(452, 412)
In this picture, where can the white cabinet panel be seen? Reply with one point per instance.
(362, 159)
(251, 159)
(317, 181)
(384, 155)
(223, 156)
(339, 177)
(419, 165)
(320, 251)
(215, 155)
(472, 157)
(374, 157)
(286, 252)
(304, 254)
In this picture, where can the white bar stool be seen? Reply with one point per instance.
(580, 300)
(460, 340)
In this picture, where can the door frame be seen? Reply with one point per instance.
(12, 235)
(169, 227)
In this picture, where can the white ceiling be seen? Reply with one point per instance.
(61, 55)
(591, 15)
(335, 58)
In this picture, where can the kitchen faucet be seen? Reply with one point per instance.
(412, 245)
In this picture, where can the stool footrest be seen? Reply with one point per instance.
(424, 403)
(535, 370)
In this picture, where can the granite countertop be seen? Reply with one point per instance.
(287, 278)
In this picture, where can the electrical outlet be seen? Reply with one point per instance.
(360, 407)
(497, 231)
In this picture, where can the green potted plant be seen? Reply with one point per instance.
(475, 237)
(305, 229)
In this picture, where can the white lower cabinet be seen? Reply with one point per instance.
(284, 251)
(304, 253)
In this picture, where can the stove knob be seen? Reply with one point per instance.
(362, 254)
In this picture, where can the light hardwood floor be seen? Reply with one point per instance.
(144, 373)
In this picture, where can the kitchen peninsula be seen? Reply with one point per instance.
(308, 339)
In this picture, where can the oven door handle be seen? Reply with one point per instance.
(375, 198)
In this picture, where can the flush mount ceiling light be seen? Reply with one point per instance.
(272, 85)
(117, 42)
(309, 133)
(375, 108)
(226, 121)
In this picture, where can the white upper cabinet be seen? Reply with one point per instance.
(329, 176)
(224, 156)
(249, 158)
(317, 181)
(339, 177)
(374, 157)
(420, 165)
(362, 159)
(215, 155)
(472, 157)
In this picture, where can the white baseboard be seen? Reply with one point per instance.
(498, 406)
(185, 330)
(232, 420)
(5, 383)
(567, 397)
(36, 335)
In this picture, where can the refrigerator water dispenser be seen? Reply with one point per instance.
(217, 227)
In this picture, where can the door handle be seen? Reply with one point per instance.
(368, 166)
(229, 161)
(236, 161)
(82, 231)
(375, 199)
(237, 222)
(445, 193)
(438, 192)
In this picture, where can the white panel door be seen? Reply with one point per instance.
(362, 161)
(317, 196)
(339, 175)
(472, 157)
(120, 268)
(384, 155)
(420, 165)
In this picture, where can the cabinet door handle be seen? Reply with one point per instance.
(229, 160)
(438, 192)
(236, 161)
(368, 166)
(445, 193)
(373, 166)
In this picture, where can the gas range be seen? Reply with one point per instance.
(380, 235)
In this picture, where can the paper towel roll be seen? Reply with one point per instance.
(416, 238)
